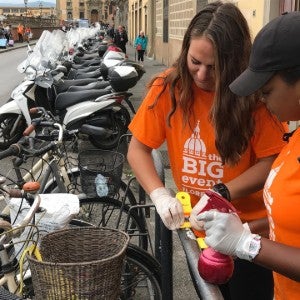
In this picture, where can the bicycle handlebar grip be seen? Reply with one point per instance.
(45, 149)
(33, 110)
(15, 193)
(31, 186)
(29, 130)
(13, 149)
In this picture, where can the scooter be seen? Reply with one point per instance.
(72, 112)
(98, 108)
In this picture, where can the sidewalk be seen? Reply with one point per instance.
(18, 45)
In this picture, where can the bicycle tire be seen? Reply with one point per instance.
(109, 212)
(141, 275)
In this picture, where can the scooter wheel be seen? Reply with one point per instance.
(12, 127)
(112, 141)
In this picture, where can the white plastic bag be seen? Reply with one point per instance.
(57, 212)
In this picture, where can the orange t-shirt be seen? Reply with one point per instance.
(21, 29)
(281, 196)
(195, 162)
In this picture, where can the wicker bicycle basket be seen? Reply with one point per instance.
(100, 172)
(79, 263)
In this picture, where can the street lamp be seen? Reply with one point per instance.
(25, 2)
(41, 10)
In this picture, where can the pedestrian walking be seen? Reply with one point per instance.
(140, 45)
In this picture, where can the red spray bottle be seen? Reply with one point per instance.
(215, 267)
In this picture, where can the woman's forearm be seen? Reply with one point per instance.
(280, 258)
(140, 159)
(252, 180)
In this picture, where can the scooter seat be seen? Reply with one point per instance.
(90, 62)
(65, 84)
(93, 85)
(64, 100)
(93, 74)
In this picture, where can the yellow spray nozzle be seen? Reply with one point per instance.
(185, 200)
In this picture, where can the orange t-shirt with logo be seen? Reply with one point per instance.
(282, 199)
(195, 162)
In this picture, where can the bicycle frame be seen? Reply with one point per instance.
(9, 277)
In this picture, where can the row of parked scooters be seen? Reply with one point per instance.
(82, 79)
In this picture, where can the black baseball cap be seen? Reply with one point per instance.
(276, 47)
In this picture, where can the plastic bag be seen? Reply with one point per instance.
(138, 47)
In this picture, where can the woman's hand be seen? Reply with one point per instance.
(169, 208)
(226, 234)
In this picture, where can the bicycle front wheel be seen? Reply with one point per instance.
(141, 276)
(109, 212)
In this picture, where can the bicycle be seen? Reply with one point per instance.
(139, 266)
(141, 270)
(21, 235)
(57, 173)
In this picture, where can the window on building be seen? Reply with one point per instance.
(81, 4)
(81, 15)
(166, 21)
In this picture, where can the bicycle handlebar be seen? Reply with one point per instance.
(29, 188)
(13, 150)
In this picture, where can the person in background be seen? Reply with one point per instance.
(215, 139)
(111, 31)
(275, 74)
(2, 31)
(21, 30)
(9, 33)
(140, 45)
(28, 34)
(121, 38)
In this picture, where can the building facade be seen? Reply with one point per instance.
(93, 10)
(38, 11)
(165, 21)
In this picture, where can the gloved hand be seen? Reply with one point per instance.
(226, 234)
(168, 207)
(196, 224)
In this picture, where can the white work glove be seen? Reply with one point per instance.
(195, 224)
(168, 207)
(225, 233)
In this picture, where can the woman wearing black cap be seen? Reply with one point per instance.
(273, 73)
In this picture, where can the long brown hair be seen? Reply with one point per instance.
(225, 26)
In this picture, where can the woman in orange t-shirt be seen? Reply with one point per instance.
(214, 138)
(276, 75)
